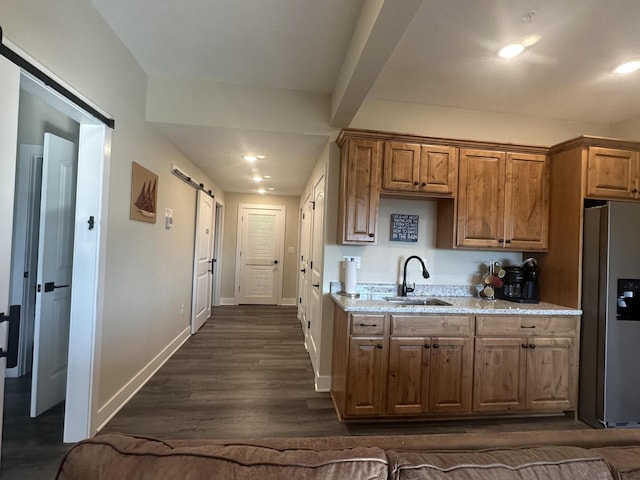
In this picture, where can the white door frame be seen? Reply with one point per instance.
(94, 151)
(217, 252)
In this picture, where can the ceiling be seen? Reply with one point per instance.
(337, 53)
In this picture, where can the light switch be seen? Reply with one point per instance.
(168, 218)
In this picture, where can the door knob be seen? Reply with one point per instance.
(275, 262)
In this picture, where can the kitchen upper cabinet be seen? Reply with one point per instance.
(359, 191)
(612, 173)
(503, 200)
(415, 168)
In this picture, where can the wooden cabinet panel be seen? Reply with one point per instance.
(401, 166)
(359, 192)
(514, 325)
(450, 372)
(481, 198)
(612, 173)
(366, 376)
(429, 375)
(367, 324)
(551, 381)
(438, 169)
(423, 325)
(419, 169)
(408, 376)
(503, 200)
(499, 374)
(525, 363)
(526, 201)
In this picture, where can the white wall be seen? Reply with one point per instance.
(148, 272)
(629, 129)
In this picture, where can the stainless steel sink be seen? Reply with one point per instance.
(417, 301)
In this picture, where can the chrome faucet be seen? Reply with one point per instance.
(425, 273)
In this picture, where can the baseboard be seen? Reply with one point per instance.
(120, 399)
(289, 302)
(323, 383)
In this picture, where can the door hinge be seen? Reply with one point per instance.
(309, 324)
(39, 288)
(91, 222)
(311, 265)
(300, 300)
(313, 205)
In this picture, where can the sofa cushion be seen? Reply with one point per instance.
(116, 456)
(501, 464)
(624, 460)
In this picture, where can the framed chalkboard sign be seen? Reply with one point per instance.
(404, 228)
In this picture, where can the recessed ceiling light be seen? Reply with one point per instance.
(262, 191)
(511, 51)
(257, 179)
(250, 158)
(271, 189)
(628, 67)
(267, 176)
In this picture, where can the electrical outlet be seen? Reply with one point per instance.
(351, 258)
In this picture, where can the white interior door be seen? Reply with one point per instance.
(316, 264)
(203, 261)
(55, 262)
(9, 99)
(305, 267)
(261, 237)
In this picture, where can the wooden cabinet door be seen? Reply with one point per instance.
(400, 166)
(481, 199)
(360, 192)
(408, 375)
(438, 169)
(366, 376)
(450, 375)
(526, 202)
(612, 173)
(499, 374)
(550, 374)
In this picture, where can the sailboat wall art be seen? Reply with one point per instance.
(144, 194)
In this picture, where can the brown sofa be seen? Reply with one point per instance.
(578, 454)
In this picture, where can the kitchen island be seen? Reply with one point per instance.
(472, 358)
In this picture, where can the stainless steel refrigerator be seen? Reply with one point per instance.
(610, 334)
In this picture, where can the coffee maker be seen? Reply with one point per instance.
(520, 283)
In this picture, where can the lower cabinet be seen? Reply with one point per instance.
(429, 375)
(525, 364)
(387, 365)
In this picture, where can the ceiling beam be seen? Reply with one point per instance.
(379, 29)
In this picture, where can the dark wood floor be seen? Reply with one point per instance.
(245, 374)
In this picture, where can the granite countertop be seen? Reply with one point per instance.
(467, 305)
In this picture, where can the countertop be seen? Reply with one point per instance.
(459, 305)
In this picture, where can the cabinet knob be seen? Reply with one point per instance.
(507, 241)
(524, 345)
(424, 184)
(436, 346)
(372, 235)
(635, 190)
(426, 345)
(380, 346)
(416, 183)
(532, 346)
